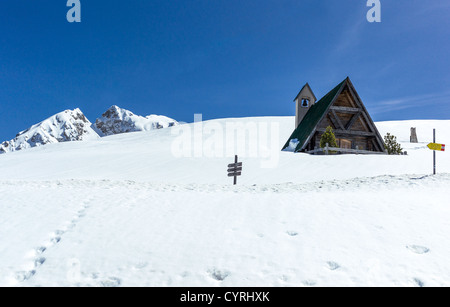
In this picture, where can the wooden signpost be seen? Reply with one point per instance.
(235, 169)
(435, 147)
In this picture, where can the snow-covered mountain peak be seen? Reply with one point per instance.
(117, 120)
(117, 113)
(72, 125)
(69, 125)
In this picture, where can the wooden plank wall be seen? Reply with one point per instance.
(358, 142)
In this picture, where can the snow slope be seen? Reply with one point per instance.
(70, 125)
(126, 210)
(116, 121)
(150, 156)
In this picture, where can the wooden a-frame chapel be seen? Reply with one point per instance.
(344, 111)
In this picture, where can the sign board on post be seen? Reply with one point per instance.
(435, 147)
(235, 169)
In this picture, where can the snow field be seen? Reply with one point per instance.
(123, 211)
(133, 234)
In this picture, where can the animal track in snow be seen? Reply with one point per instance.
(309, 283)
(55, 240)
(185, 274)
(333, 266)
(419, 283)
(417, 249)
(94, 276)
(292, 233)
(111, 282)
(218, 274)
(40, 250)
(59, 232)
(38, 260)
(24, 275)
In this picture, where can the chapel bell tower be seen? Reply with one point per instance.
(303, 102)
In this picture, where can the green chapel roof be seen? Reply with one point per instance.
(312, 118)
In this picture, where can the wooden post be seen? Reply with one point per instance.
(235, 176)
(434, 152)
(326, 149)
(235, 169)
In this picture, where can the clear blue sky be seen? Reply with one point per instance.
(220, 58)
